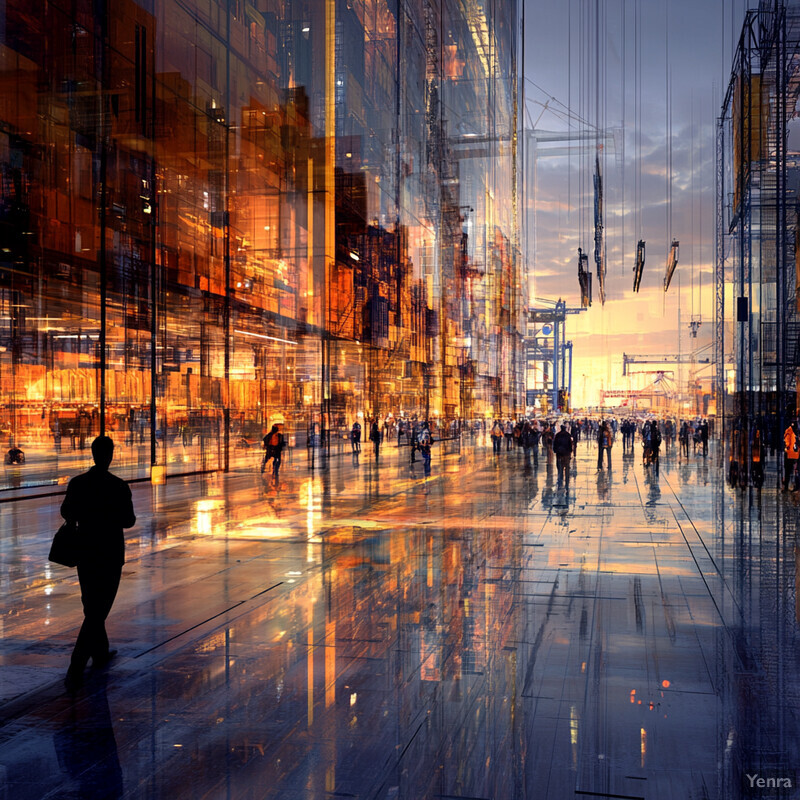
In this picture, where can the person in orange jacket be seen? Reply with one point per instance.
(791, 454)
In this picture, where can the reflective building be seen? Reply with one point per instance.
(219, 213)
(757, 337)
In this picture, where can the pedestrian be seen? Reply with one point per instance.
(669, 435)
(535, 436)
(605, 440)
(497, 437)
(425, 442)
(646, 433)
(414, 441)
(757, 454)
(548, 434)
(683, 439)
(518, 433)
(355, 437)
(704, 436)
(375, 438)
(100, 505)
(562, 447)
(791, 454)
(508, 432)
(654, 445)
(273, 447)
(526, 441)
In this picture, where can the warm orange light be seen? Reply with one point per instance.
(665, 684)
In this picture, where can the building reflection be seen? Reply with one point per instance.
(214, 215)
(757, 653)
(393, 636)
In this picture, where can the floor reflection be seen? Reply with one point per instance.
(86, 748)
(363, 632)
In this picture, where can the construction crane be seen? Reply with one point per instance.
(651, 372)
(661, 386)
(670, 359)
(555, 316)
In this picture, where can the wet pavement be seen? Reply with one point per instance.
(363, 632)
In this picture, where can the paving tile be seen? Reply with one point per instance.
(366, 633)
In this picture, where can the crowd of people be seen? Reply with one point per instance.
(559, 440)
(555, 441)
(749, 444)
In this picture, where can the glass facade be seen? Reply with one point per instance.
(220, 213)
(758, 259)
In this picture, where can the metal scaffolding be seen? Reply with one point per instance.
(755, 334)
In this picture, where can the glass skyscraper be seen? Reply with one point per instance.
(219, 214)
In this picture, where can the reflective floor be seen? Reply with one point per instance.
(362, 632)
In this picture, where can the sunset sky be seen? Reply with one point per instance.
(636, 188)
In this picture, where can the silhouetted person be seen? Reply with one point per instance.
(562, 447)
(274, 442)
(101, 506)
(375, 437)
(425, 442)
(355, 437)
(605, 440)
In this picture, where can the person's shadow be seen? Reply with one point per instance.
(86, 747)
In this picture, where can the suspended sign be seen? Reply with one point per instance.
(584, 279)
(672, 262)
(547, 330)
(599, 243)
(639, 268)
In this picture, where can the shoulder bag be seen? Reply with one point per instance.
(66, 548)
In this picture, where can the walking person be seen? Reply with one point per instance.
(425, 442)
(791, 455)
(548, 434)
(375, 438)
(100, 504)
(562, 447)
(413, 441)
(525, 441)
(536, 435)
(497, 437)
(669, 435)
(683, 439)
(274, 443)
(757, 455)
(355, 437)
(704, 436)
(652, 439)
(508, 432)
(605, 440)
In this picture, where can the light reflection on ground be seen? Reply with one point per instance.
(362, 632)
